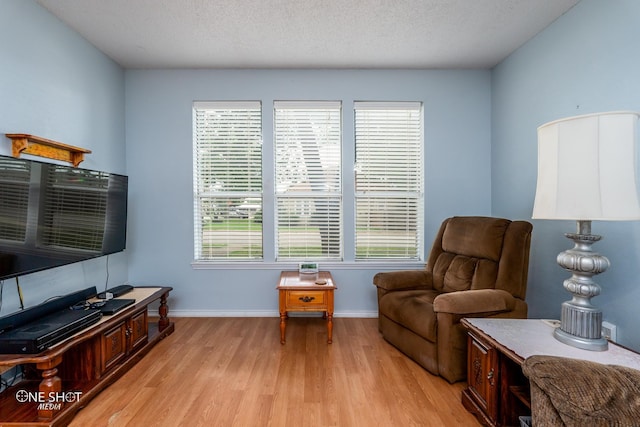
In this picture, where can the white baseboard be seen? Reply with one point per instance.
(259, 313)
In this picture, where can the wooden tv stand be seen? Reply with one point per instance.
(63, 379)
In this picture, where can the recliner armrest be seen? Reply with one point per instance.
(403, 279)
(474, 302)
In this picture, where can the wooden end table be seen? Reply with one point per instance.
(303, 292)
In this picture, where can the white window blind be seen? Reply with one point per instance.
(389, 180)
(307, 138)
(227, 180)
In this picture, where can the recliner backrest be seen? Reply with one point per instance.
(480, 253)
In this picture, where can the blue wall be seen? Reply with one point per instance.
(587, 61)
(54, 84)
(480, 147)
(62, 88)
(159, 159)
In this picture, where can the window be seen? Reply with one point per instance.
(307, 198)
(389, 180)
(308, 195)
(227, 180)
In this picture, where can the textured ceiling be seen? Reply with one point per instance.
(308, 33)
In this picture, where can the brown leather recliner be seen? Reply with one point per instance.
(477, 267)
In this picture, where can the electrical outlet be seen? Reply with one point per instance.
(609, 331)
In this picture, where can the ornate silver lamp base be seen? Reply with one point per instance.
(580, 321)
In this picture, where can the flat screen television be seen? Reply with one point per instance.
(52, 215)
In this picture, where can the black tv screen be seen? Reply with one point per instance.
(52, 215)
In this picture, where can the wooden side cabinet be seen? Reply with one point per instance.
(497, 391)
(481, 395)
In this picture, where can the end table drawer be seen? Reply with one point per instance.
(301, 299)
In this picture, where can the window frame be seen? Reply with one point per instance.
(235, 193)
(347, 260)
(305, 126)
(393, 187)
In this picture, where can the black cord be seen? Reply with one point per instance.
(4, 384)
(20, 293)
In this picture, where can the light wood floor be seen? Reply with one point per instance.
(235, 372)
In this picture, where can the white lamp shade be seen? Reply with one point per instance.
(587, 168)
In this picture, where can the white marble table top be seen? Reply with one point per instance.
(528, 337)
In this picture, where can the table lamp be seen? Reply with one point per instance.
(587, 171)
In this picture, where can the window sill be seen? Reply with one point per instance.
(352, 265)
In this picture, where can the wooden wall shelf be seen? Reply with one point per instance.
(37, 146)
